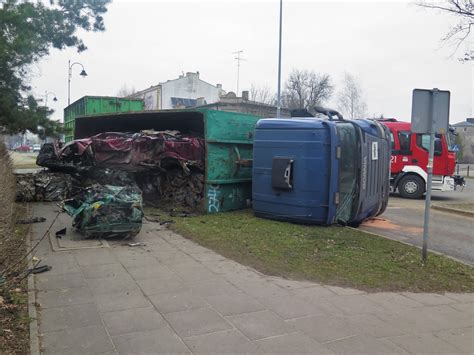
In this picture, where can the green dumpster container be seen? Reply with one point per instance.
(92, 105)
(228, 141)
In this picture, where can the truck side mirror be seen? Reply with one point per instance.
(438, 147)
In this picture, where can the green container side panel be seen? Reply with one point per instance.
(224, 162)
(229, 142)
(96, 105)
(222, 126)
(227, 197)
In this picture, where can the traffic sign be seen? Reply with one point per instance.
(430, 111)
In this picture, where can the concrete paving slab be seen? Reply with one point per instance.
(429, 319)
(345, 291)
(94, 257)
(196, 322)
(262, 324)
(429, 299)
(264, 289)
(139, 261)
(147, 272)
(291, 284)
(326, 328)
(294, 343)
(70, 317)
(177, 301)
(212, 288)
(393, 302)
(103, 271)
(364, 344)
(288, 307)
(133, 320)
(223, 342)
(314, 293)
(461, 297)
(462, 339)
(47, 281)
(232, 304)
(156, 286)
(60, 268)
(356, 304)
(426, 343)
(118, 301)
(65, 297)
(87, 340)
(158, 341)
(374, 326)
(195, 273)
(467, 308)
(112, 284)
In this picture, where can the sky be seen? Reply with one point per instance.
(391, 47)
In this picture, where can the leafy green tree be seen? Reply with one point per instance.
(28, 30)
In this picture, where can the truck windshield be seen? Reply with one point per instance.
(348, 167)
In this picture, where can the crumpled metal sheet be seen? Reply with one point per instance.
(128, 151)
(107, 211)
(43, 186)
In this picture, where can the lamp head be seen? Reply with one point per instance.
(83, 73)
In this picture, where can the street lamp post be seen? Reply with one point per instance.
(46, 94)
(279, 63)
(82, 73)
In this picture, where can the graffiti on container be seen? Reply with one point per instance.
(236, 196)
(213, 198)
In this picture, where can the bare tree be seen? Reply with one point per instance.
(125, 91)
(350, 100)
(305, 89)
(464, 11)
(262, 94)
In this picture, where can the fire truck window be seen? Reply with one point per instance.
(423, 141)
(392, 141)
(404, 139)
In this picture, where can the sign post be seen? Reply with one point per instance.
(429, 115)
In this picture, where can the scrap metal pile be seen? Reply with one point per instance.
(105, 178)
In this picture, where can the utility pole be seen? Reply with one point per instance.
(239, 59)
(279, 63)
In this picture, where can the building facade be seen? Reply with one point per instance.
(186, 91)
(465, 130)
(232, 103)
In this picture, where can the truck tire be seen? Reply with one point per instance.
(411, 186)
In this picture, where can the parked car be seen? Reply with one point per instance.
(36, 147)
(23, 148)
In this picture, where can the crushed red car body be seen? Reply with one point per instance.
(127, 151)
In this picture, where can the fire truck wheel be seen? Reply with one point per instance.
(411, 186)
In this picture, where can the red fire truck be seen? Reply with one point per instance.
(410, 157)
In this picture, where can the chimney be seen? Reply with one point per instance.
(219, 86)
(245, 95)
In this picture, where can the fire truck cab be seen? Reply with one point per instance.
(408, 171)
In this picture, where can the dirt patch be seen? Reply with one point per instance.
(14, 320)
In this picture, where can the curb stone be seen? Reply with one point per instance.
(453, 210)
(413, 245)
(34, 335)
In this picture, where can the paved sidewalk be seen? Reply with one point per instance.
(174, 296)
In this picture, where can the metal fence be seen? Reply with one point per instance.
(465, 170)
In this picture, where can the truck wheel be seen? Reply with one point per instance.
(411, 186)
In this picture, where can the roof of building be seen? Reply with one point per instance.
(468, 123)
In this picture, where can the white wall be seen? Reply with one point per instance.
(188, 87)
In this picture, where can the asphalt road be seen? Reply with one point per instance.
(450, 234)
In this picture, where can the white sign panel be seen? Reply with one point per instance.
(430, 111)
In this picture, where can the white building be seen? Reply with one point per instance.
(186, 91)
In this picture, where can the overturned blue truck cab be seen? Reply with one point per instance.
(320, 171)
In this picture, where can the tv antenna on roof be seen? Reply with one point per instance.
(239, 59)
